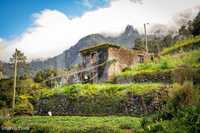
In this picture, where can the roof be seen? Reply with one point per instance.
(139, 49)
(96, 47)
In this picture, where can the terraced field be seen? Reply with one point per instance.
(77, 123)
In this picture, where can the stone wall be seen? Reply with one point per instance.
(165, 77)
(179, 75)
(129, 104)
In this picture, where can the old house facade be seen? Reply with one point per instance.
(102, 62)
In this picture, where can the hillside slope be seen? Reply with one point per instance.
(158, 106)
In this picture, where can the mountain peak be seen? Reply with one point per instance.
(129, 29)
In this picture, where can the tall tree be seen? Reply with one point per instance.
(1, 70)
(17, 58)
(196, 25)
(44, 75)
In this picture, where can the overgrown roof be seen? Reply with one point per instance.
(93, 48)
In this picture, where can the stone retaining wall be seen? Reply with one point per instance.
(129, 104)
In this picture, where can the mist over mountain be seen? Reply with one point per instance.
(71, 56)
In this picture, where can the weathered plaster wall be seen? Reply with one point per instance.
(123, 57)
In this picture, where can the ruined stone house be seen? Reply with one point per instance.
(102, 62)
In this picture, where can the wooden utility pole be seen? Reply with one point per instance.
(15, 78)
(145, 31)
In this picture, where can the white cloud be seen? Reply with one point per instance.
(52, 31)
(2, 47)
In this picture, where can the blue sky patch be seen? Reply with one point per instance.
(16, 15)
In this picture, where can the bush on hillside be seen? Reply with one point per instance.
(180, 113)
(196, 25)
(44, 75)
(187, 119)
(23, 106)
(6, 86)
(183, 73)
(24, 87)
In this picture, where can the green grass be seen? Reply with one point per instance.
(167, 62)
(106, 89)
(78, 122)
(181, 43)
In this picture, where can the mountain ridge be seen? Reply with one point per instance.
(71, 56)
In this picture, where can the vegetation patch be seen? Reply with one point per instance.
(160, 67)
(72, 124)
(181, 112)
(93, 89)
(102, 99)
(164, 76)
(191, 43)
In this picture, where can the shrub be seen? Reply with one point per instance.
(126, 125)
(183, 73)
(183, 97)
(2, 104)
(8, 124)
(5, 112)
(23, 106)
(1, 121)
(187, 93)
(187, 119)
(190, 117)
(164, 65)
(179, 96)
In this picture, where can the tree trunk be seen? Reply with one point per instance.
(144, 107)
(14, 84)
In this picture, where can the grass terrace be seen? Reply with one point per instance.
(77, 124)
(107, 89)
(165, 63)
(181, 44)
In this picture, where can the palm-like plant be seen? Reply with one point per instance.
(17, 58)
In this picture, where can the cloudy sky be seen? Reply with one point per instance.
(45, 28)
